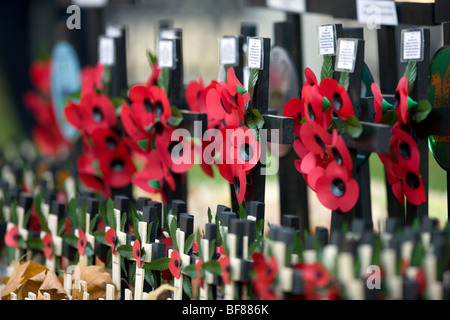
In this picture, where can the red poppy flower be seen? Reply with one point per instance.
(311, 79)
(265, 274)
(198, 266)
(91, 79)
(137, 253)
(401, 100)
(194, 91)
(47, 241)
(412, 184)
(239, 147)
(153, 79)
(313, 106)
(294, 109)
(339, 151)
(12, 237)
(380, 104)
(149, 105)
(336, 190)
(176, 151)
(89, 174)
(224, 261)
(111, 238)
(316, 274)
(82, 242)
(117, 167)
(40, 75)
(406, 149)
(235, 175)
(315, 138)
(313, 175)
(175, 264)
(338, 97)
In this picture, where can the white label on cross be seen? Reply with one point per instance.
(140, 273)
(228, 51)
(376, 13)
(106, 51)
(297, 6)
(346, 56)
(412, 45)
(204, 292)
(255, 53)
(327, 39)
(166, 53)
(113, 31)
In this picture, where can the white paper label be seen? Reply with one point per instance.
(228, 51)
(254, 53)
(166, 54)
(113, 31)
(298, 6)
(412, 48)
(346, 56)
(106, 51)
(90, 3)
(375, 13)
(327, 39)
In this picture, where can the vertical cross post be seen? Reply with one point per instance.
(56, 214)
(208, 291)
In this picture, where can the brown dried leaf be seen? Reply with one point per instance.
(161, 293)
(23, 271)
(54, 286)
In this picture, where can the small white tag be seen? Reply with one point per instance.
(327, 39)
(254, 53)
(412, 44)
(298, 6)
(166, 54)
(167, 34)
(90, 3)
(113, 31)
(376, 13)
(228, 51)
(106, 51)
(346, 56)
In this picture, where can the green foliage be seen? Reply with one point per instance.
(327, 70)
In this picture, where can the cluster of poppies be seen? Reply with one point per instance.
(238, 149)
(403, 161)
(106, 162)
(46, 134)
(325, 160)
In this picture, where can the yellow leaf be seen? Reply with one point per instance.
(22, 272)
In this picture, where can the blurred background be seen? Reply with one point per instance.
(28, 27)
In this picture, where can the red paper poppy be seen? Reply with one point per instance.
(338, 97)
(198, 267)
(235, 86)
(406, 149)
(294, 109)
(380, 104)
(339, 151)
(221, 106)
(194, 91)
(117, 167)
(40, 75)
(412, 184)
(153, 79)
(91, 78)
(313, 175)
(265, 274)
(47, 241)
(137, 253)
(239, 147)
(149, 105)
(235, 175)
(336, 190)
(175, 264)
(111, 238)
(315, 138)
(82, 242)
(132, 125)
(12, 237)
(224, 261)
(104, 140)
(313, 106)
(401, 101)
(176, 151)
(311, 79)
(90, 176)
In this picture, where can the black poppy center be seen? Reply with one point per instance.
(159, 108)
(176, 263)
(113, 239)
(396, 101)
(412, 180)
(311, 113)
(172, 145)
(117, 165)
(111, 143)
(97, 114)
(236, 184)
(319, 141)
(246, 152)
(82, 243)
(318, 274)
(159, 127)
(337, 156)
(338, 187)
(148, 105)
(49, 244)
(227, 268)
(337, 101)
(138, 253)
(405, 150)
(268, 270)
